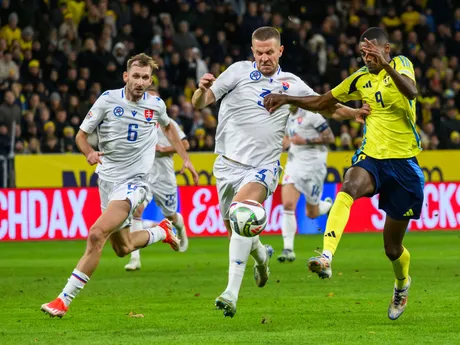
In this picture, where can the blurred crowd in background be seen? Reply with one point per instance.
(58, 56)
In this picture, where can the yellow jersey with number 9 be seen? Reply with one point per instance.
(390, 130)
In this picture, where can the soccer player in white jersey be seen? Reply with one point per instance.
(126, 121)
(162, 189)
(307, 135)
(249, 144)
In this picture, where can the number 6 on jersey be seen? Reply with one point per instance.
(132, 134)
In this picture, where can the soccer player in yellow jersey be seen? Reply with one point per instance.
(385, 163)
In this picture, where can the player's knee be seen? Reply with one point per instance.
(393, 252)
(351, 187)
(96, 236)
(288, 205)
(121, 250)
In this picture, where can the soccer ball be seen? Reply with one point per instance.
(247, 218)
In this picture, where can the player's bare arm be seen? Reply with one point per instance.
(203, 96)
(171, 150)
(173, 137)
(325, 104)
(92, 156)
(404, 84)
(326, 137)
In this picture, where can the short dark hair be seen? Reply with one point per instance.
(266, 33)
(375, 33)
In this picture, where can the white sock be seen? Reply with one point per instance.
(156, 234)
(238, 253)
(289, 229)
(75, 283)
(179, 224)
(327, 254)
(258, 251)
(136, 226)
(324, 207)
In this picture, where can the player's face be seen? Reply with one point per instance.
(370, 61)
(267, 55)
(137, 80)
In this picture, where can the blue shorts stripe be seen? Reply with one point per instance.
(418, 171)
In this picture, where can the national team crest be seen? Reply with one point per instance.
(386, 80)
(299, 120)
(148, 114)
(255, 75)
(118, 111)
(285, 85)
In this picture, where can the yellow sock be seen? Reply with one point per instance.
(401, 269)
(338, 219)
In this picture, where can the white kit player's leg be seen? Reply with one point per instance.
(134, 263)
(178, 223)
(289, 196)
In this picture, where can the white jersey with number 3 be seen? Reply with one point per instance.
(246, 132)
(127, 133)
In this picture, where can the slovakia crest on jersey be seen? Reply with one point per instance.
(148, 114)
(299, 120)
(285, 85)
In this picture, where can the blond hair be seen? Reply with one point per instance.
(142, 60)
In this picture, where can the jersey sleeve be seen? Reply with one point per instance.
(225, 82)
(95, 115)
(347, 90)
(163, 118)
(319, 122)
(404, 66)
(304, 90)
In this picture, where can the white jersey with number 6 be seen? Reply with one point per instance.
(127, 133)
(246, 132)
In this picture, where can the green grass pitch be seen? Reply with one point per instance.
(175, 292)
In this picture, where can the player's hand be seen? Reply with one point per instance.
(94, 157)
(371, 49)
(298, 140)
(189, 166)
(362, 113)
(274, 101)
(206, 81)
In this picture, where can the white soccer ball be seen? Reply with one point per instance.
(247, 218)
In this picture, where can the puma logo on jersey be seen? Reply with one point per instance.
(367, 85)
(409, 213)
(330, 234)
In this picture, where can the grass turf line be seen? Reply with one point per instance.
(175, 292)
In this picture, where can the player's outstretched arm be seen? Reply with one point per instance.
(342, 112)
(312, 103)
(203, 96)
(92, 156)
(173, 137)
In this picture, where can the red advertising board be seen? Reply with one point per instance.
(441, 210)
(68, 213)
(203, 218)
(47, 214)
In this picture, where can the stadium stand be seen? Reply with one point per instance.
(57, 57)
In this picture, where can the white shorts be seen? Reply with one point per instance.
(308, 180)
(165, 197)
(134, 190)
(232, 176)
